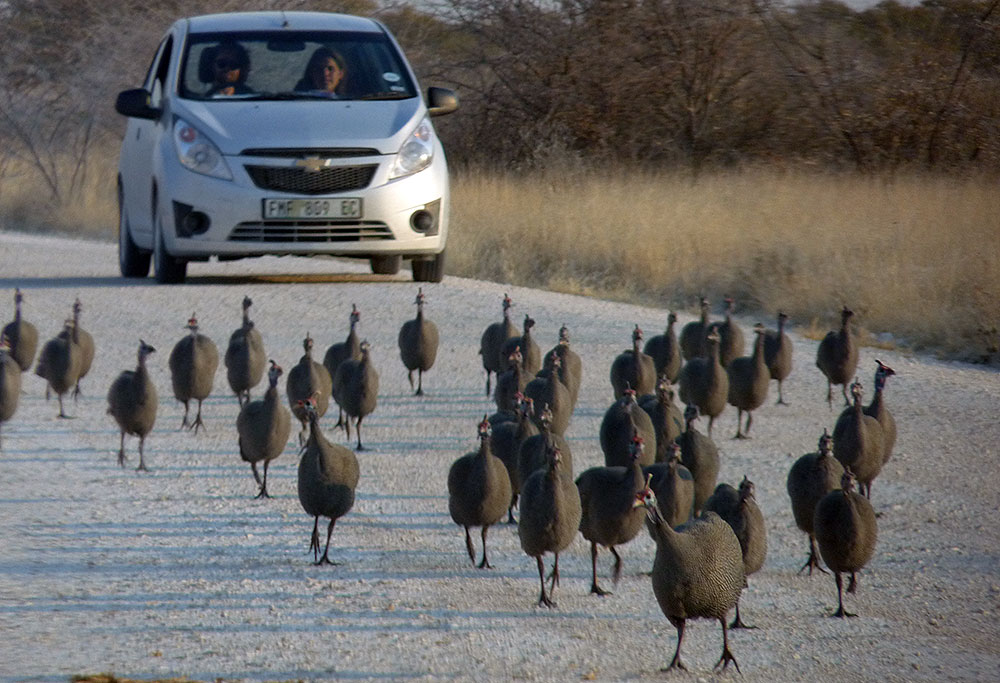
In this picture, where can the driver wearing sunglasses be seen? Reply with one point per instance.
(230, 67)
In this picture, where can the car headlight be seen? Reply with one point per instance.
(197, 153)
(416, 153)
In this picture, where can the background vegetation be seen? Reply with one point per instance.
(794, 156)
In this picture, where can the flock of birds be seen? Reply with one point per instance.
(660, 471)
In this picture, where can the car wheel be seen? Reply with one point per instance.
(132, 261)
(429, 271)
(169, 270)
(386, 265)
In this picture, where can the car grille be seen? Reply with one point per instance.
(311, 231)
(301, 181)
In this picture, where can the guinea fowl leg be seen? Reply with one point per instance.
(510, 509)
(829, 393)
(555, 574)
(781, 401)
(813, 561)
(357, 430)
(852, 585)
(314, 541)
(263, 485)
(409, 376)
(142, 458)
(739, 424)
(485, 564)
(488, 376)
(738, 623)
(62, 413)
(841, 612)
(618, 565)
(594, 588)
(197, 419)
(746, 432)
(256, 475)
(184, 420)
(727, 655)
(543, 599)
(676, 662)
(326, 557)
(468, 546)
(76, 392)
(420, 383)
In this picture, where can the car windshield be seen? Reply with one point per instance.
(285, 65)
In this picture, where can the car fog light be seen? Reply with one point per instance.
(422, 221)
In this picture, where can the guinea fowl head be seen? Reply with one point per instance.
(527, 405)
(355, 315)
(484, 428)
(144, 350)
(663, 387)
(274, 373)
(730, 304)
(847, 480)
(529, 322)
(419, 301)
(247, 303)
(546, 417)
(507, 305)
(307, 343)
(192, 324)
(882, 373)
(645, 498)
(635, 448)
(746, 489)
(673, 453)
(857, 391)
(18, 297)
(690, 414)
(671, 318)
(555, 457)
(308, 406)
(759, 328)
(782, 317)
(4, 344)
(825, 445)
(636, 335)
(365, 347)
(564, 334)
(77, 306)
(845, 315)
(515, 356)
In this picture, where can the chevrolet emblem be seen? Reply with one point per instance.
(312, 164)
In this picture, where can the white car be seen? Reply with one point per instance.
(298, 133)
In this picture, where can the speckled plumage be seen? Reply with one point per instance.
(132, 402)
(418, 345)
(492, 340)
(263, 427)
(837, 356)
(704, 382)
(749, 379)
(623, 421)
(859, 443)
(810, 478)
(701, 456)
(245, 358)
(633, 369)
(665, 350)
(193, 362)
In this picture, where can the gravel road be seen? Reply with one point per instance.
(181, 572)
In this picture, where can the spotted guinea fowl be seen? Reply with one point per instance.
(533, 453)
(263, 427)
(328, 477)
(132, 402)
(665, 350)
(859, 442)
(59, 364)
(510, 382)
(692, 338)
(701, 456)
(550, 515)
(609, 516)
(749, 379)
(547, 390)
(570, 370)
(21, 335)
(778, 354)
(478, 491)
(665, 416)
(10, 383)
(338, 352)
(705, 383)
(492, 341)
(731, 343)
(357, 389)
(846, 531)
(308, 380)
(878, 409)
(418, 344)
(193, 362)
(531, 355)
(506, 438)
(633, 369)
(837, 356)
(739, 509)
(673, 485)
(622, 422)
(811, 477)
(245, 357)
(697, 573)
(85, 341)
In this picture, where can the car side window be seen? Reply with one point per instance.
(157, 76)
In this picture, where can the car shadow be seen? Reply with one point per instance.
(247, 279)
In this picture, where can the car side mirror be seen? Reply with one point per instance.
(135, 103)
(441, 101)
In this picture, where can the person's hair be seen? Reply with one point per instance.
(318, 59)
(239, 52)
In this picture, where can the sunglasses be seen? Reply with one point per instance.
(226, 63)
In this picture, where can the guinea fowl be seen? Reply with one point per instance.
(697, 573)
(132, 402)
(10, 383)
(59, 364)
(846, 531)
(880, 412)
(811, 477)
(263, 427)
(859, 442)
(665, 350)
(356, 385)
(837, 356)
(548, 391)
(705, 383)
(308, 380)
(328, 477)
(418, 344)
(570, 370)
(492, 341)
(245, 357)
(506, 438)
(21, 335)
(731, 342)
(749, 379)
(692, 339)
(739, 510)
(193, 362)
(701, 456)
(673, 485)
(665, 416)
(609, 516)
(511, 382)
(531, 356)
(533, 453)
(633, 369)
(622, 422)
(84, 341)
(550, 513)
(479, 491)
(778, 354)
(338, 353)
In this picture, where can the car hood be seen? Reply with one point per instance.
(238, 125)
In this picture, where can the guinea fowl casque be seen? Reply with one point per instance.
(880, 411)
(633, 369)
(550, 515)
(10, 383)
(21, 335)
(338, 352)
(479, 491)
(356, 385)
(622, 422)
(778, 354)
(810, 478)
(749, 379)
(609, 517)
(263, 427)
(859, 443)
(846, 531)
(132, 402)
(328, 477)
(701, 456)
(731, 342)
(193, 362)
(570, 368)
(673, 485)
(418, 344)
(85, 342)
(697, 573)
(705, 383)
(59, 364)
(308, 380)
(245, 357)
(665, 350)
(837, 356)
(692, 339)
(664, 415)
(531, 355)
(492, 341)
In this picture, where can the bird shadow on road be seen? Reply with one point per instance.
(242, 279)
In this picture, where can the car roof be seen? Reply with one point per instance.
(293, 21)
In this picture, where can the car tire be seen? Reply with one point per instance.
(386, 265)
(132, 261)
(429, 271)
(168, 270)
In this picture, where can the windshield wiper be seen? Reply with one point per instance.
(386, 95)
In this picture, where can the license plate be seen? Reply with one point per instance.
(341, 207)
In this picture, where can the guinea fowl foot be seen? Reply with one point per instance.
(326, 560)
(597, 590)
(544, 600)
(121, 458)
(739, 623)
(142, 467)
(675, 663)
(726, 658)
(812, 563)
(852, 585)
(843, 613)
(262, 493)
